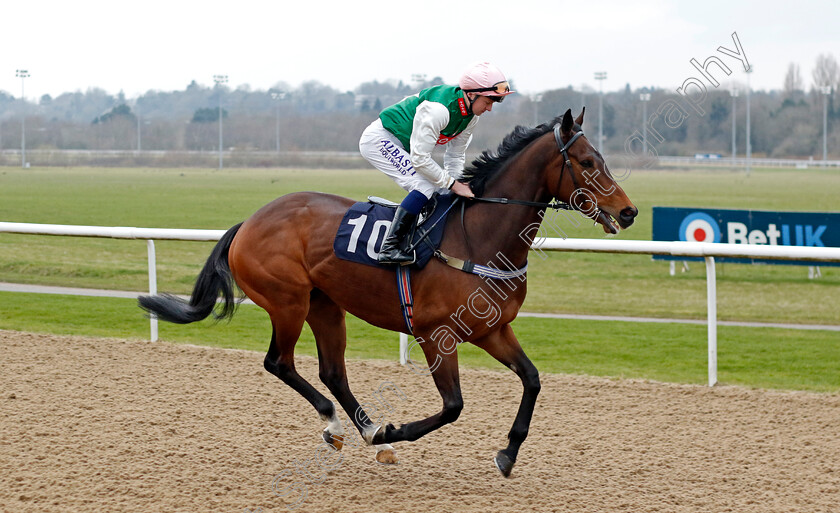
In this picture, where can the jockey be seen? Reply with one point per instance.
(400, 142)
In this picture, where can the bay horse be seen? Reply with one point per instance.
(282, 258)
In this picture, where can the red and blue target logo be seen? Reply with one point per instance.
(699, 227)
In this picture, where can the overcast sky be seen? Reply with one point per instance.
(135, 47)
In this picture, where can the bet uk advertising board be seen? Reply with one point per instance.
(821, 229)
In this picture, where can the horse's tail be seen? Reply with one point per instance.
(214, 279)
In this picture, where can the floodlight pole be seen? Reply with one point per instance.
(826, 90)
(278, 97)
(734, 93)
(749, 142)
(220, 79)
(139, 122)
(645, 98)
(22, 73)
(600, 76)
(537, 98)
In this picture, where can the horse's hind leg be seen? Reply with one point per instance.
(280, 359)
(327, 322)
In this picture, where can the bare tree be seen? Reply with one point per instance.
(793, 80)
(826, 72)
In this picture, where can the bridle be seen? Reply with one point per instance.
(557, 205)
(564, 149)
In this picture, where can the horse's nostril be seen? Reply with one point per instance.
(629, 213)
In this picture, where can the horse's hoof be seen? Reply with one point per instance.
(503, 463)
(334, 441)
(387, 457)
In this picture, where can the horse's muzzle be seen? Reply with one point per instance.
(627, 216)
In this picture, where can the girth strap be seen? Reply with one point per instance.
(481, 270)
(406, 298)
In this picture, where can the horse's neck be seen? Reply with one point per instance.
(509, 229)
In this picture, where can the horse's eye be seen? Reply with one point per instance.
(586, 163)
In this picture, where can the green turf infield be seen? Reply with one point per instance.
(562, 282)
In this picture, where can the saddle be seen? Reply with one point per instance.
(365, 225)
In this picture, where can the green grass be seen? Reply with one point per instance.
(589, 283)
(628, 285)
(756, 357)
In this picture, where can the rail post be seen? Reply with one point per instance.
(153, 321)
(711, 313)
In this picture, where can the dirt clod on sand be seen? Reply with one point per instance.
(116, 425)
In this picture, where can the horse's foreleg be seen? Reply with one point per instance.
(445, 373)
(503, 346)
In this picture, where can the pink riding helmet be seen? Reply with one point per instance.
(485, 79)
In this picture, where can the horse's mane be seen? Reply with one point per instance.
(487, 165)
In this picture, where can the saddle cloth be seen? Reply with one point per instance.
(365, 225)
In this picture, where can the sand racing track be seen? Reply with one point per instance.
(116, 425)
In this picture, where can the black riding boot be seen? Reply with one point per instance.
(393, 249)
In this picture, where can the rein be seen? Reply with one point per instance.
(557, 205)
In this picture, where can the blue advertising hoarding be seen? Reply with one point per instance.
(820, 229)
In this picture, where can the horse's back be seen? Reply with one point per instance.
(297, 213)
(299, 205)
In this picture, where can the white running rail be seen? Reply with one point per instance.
(694, 249)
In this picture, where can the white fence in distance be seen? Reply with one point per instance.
(706, 250)
(743, 162)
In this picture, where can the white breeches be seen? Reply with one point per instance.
(385, 152)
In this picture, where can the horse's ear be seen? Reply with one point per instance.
(579, 120)
(567, 123)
